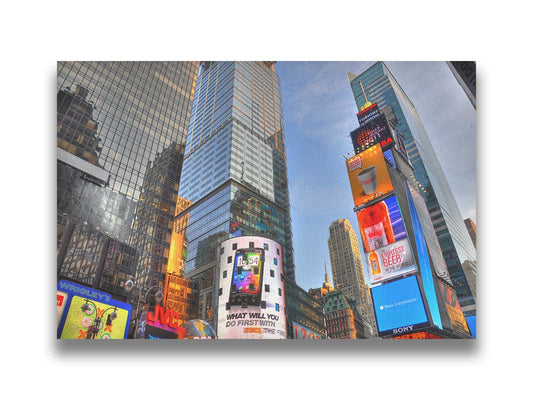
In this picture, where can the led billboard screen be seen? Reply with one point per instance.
(76, 321)
(398, 307)
(251, 294)
(386, 247)
(453, 307)
(368, 114)
(376, 131)
(368, 175)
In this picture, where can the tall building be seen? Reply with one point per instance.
(120, 127)
(471, 227)
(347, 267)
(383, 88)
(235, 169)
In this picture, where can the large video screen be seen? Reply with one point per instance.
(386, 247)
(369, 176)
(398, 307)
(376, 131)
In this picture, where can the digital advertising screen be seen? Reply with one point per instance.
(453, 307)
(76, 322)
(247, 277)
(303, 333)
(368, 114)
(251, 294)
(399, 307)
(368, 175)
(386, 248)
(375, 131)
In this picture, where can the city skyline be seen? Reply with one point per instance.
(320, 112)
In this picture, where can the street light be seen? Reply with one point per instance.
(93, 330)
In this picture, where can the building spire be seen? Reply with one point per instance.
(367, 103)
(326, 275)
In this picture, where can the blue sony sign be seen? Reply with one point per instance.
(399, 307)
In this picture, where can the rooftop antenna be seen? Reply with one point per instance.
(367, 103)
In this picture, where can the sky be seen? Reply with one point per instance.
(319, 112)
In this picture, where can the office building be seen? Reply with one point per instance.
(120, 127)
(347, 268)
(304, 310)
(382, 87)
(234, 169)
(342, 319)
(471, 227)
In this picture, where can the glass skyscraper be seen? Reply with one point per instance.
(121, 131)
(382, 88)
(235, 169)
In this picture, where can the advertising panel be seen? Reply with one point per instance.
(368, 114)
(87, 309)
(251, 292)
(453, 307)
(386, 247)
(376, 131)
(302, 333)
(368, 175)
(398, 307)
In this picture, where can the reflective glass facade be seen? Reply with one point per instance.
(127, 122)
(381, 87)
(235, 168)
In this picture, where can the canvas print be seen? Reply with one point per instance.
(266, 200)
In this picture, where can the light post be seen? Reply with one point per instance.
(93, 330)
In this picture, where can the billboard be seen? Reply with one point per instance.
(368, 114)
(453, 307)
(368, 175)
(76, 321)
(376, 131)
(302, 333)
(386, 247)
(399, 307)
(251, 294)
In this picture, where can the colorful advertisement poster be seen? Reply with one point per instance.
(398, 307)
(386, 247)
(375, 131)
(453, 307)
(251, 292)
(88, 313)
(303, 333)
(368, 175)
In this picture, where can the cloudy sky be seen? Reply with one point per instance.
(319, 112)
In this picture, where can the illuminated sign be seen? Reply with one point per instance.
(368, 175)
(418, 335)
(376, 131)
(398, 307)
(368, 114)
(386, 247)
(301, 332)
(61, 301)
(166, 320)
(251, 295)
(453, 307)
(76, 321)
